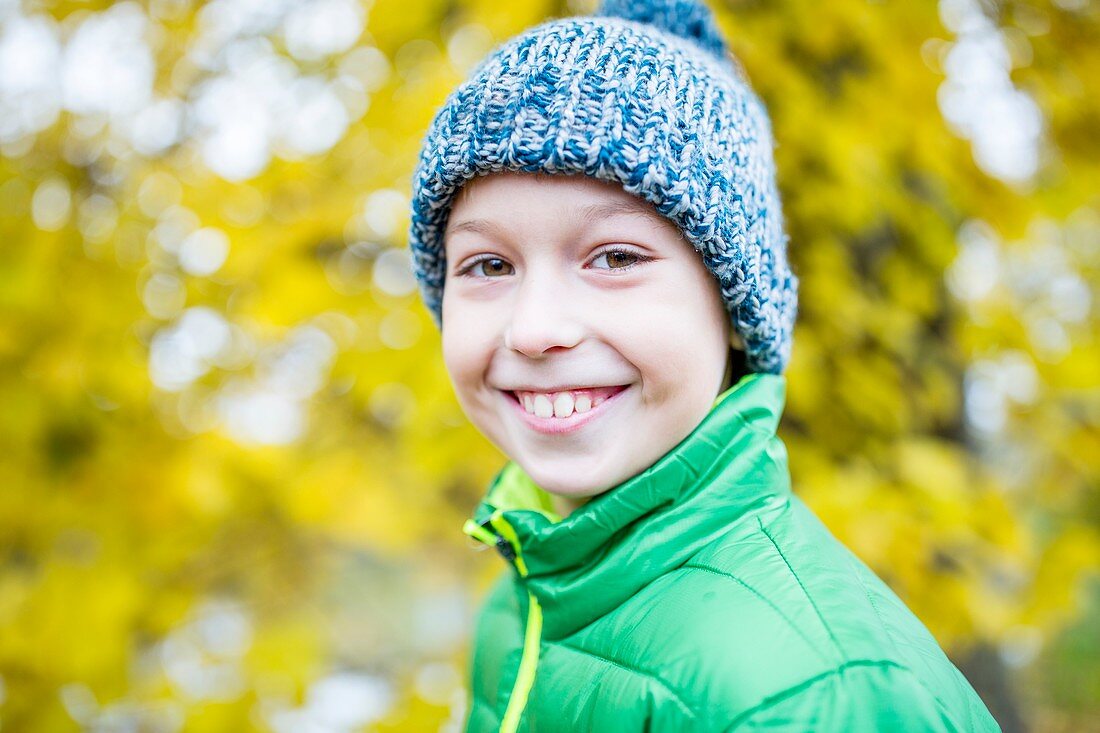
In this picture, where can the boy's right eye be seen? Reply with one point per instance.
(493, 267)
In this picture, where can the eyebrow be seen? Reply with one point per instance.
(585, 215)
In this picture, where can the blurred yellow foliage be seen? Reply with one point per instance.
(234, 472)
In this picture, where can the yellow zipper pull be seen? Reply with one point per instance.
(508, 545)
(479, 533)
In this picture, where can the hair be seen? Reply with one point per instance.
(737, 367)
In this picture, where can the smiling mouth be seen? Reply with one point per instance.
(563, 405)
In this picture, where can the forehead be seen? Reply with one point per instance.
(499, 198)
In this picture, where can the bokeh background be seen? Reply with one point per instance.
(232, 469)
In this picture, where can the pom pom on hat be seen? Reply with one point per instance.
(684, 18)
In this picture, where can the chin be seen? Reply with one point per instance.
(568, 489)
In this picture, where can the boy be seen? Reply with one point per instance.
(593, 210)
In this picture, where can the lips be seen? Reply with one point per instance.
(568, 410)
(562, 403)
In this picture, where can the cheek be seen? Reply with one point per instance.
(453, 334)
(681, 349)
(466, 351)
(456, 351)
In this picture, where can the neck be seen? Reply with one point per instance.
(566, 505)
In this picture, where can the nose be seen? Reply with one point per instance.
(543, 318)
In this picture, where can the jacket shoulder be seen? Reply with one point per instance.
(795, 565)
(778, 613)
(863, 696)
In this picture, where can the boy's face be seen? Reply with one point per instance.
(570, 295)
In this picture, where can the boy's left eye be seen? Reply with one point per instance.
(618, 259)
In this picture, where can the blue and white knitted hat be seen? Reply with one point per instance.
(645, 93)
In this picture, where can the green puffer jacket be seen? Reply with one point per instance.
(699, 595)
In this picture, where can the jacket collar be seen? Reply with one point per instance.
(583, 566)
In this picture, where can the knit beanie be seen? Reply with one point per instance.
(644, 93)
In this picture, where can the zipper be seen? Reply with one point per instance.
(506, 541)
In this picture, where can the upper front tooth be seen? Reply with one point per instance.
(563, 404)
(583, 403)
(543, 408)
(528, 403)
